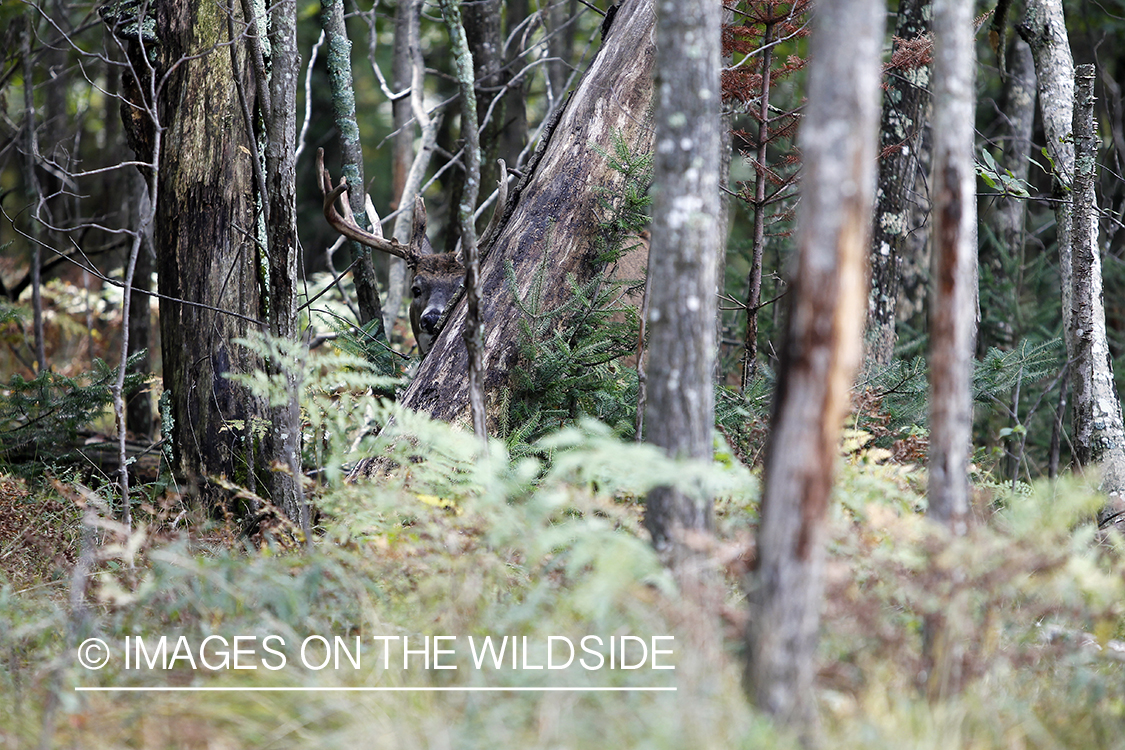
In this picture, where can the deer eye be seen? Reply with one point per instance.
(416, 290)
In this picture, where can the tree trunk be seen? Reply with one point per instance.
(684, 255)
(953, 321)
(1009, 212)
(754, 281)
(513, 132)
(206, 251)
(402, 151)
(952, 314)
(822, 348)
(139, 417)
(281, 445)
(900, 141)
(482, 29)
(1099, 415)
(1099, 436)
(551, 211)
(339, 62)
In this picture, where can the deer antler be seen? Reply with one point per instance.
(346, 224)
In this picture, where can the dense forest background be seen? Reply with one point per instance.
(215, 419)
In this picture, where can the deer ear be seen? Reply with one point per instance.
(419, 245)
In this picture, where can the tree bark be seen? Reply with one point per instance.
(1097, 421)
(900, 141)
(819, 356)
(553, 210)
(684, 256)
(206, 251)
(281, 445)
(952, 315)
(402, 149)
(1099, 436)
(754, 281)
(1009, 212)
(470, 135)
(953, 319)
(339, 64)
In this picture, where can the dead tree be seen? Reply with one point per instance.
(819, 356)
(553, 210)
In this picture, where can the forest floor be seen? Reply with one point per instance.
(548, 554)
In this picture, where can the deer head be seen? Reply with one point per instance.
(437, 277)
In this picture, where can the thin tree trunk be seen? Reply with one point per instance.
(427, 125)
(754, 282)
(139, 415)
(31, 159)
(1009, 212)
(821, 350)
(1099, 436)
(402, 149)
(339, 64)
(903, 121)
(952, 319)
(513, 133)
(1097, 413)
(684, 255)
(474, 333)
(281, 446)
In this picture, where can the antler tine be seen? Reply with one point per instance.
(498, 208)
(418, 228)
(346, 224)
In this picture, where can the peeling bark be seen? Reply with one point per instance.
(821, 351)
(1097, 412)
(952, 317)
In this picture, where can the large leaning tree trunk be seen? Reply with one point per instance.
(553, 211)
(1099, 439)
(900, 140)
(822, 348)
(687, 241)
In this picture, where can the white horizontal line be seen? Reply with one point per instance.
(196, 689)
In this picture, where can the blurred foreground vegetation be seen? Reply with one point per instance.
(449, 543)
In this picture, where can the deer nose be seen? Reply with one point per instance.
(430, 320)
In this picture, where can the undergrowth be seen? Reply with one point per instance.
(449, 543)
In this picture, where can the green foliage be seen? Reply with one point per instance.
(41, 416)
(626, 207)
(450, 543)
(334, 390)
(362, 342)
(1000, 178)
(902, 386)
(570, 354)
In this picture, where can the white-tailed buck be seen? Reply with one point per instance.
(437, 277)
